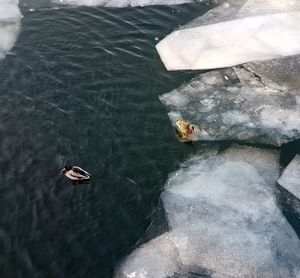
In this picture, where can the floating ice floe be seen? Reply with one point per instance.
(233, 42)
(10, 17)
(233, 104)
(234, 33)
(290, 178)
(9, 11)
(224, 222)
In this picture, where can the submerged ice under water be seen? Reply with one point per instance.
(223, 220)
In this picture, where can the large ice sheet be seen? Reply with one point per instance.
(276, 72)
(10, 17)
(233, 9)
(224, 222)
(290, 178)
(232, 42)
(234, 105)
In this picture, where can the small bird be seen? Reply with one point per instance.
(76, 174)
(185, 131)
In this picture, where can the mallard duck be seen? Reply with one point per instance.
(185, 131)
(76, 174)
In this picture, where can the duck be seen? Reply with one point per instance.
(76, 174)
(185, 131)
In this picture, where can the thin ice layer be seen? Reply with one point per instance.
(290, 178)
(233, 42)
(235, 105)
(224, 222)
(10, 17)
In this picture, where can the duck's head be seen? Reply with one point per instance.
(66, 169)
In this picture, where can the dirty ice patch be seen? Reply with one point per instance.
(234, 104)
(290, 178)
(231, 43)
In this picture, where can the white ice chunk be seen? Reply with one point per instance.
(233, 42)
(8, 37)
(290, 178)
(234, 9)
(10, 17)
(259, 7)
(224, 221)
(9, 11)
(235, 105)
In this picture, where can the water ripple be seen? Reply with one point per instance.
(82, 88)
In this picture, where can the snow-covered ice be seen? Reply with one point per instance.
(290, 178)
(10, 17)
(236, 32)
(234, 104)
(224, 221)
(232, 42)
(234, 9)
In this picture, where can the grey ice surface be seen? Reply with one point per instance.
(278, 73)
(290, 178)
(233, 104)
(224, 221)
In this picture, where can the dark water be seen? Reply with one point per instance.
(81, 87)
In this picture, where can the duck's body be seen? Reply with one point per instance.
(185, 131)
(75, 173)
